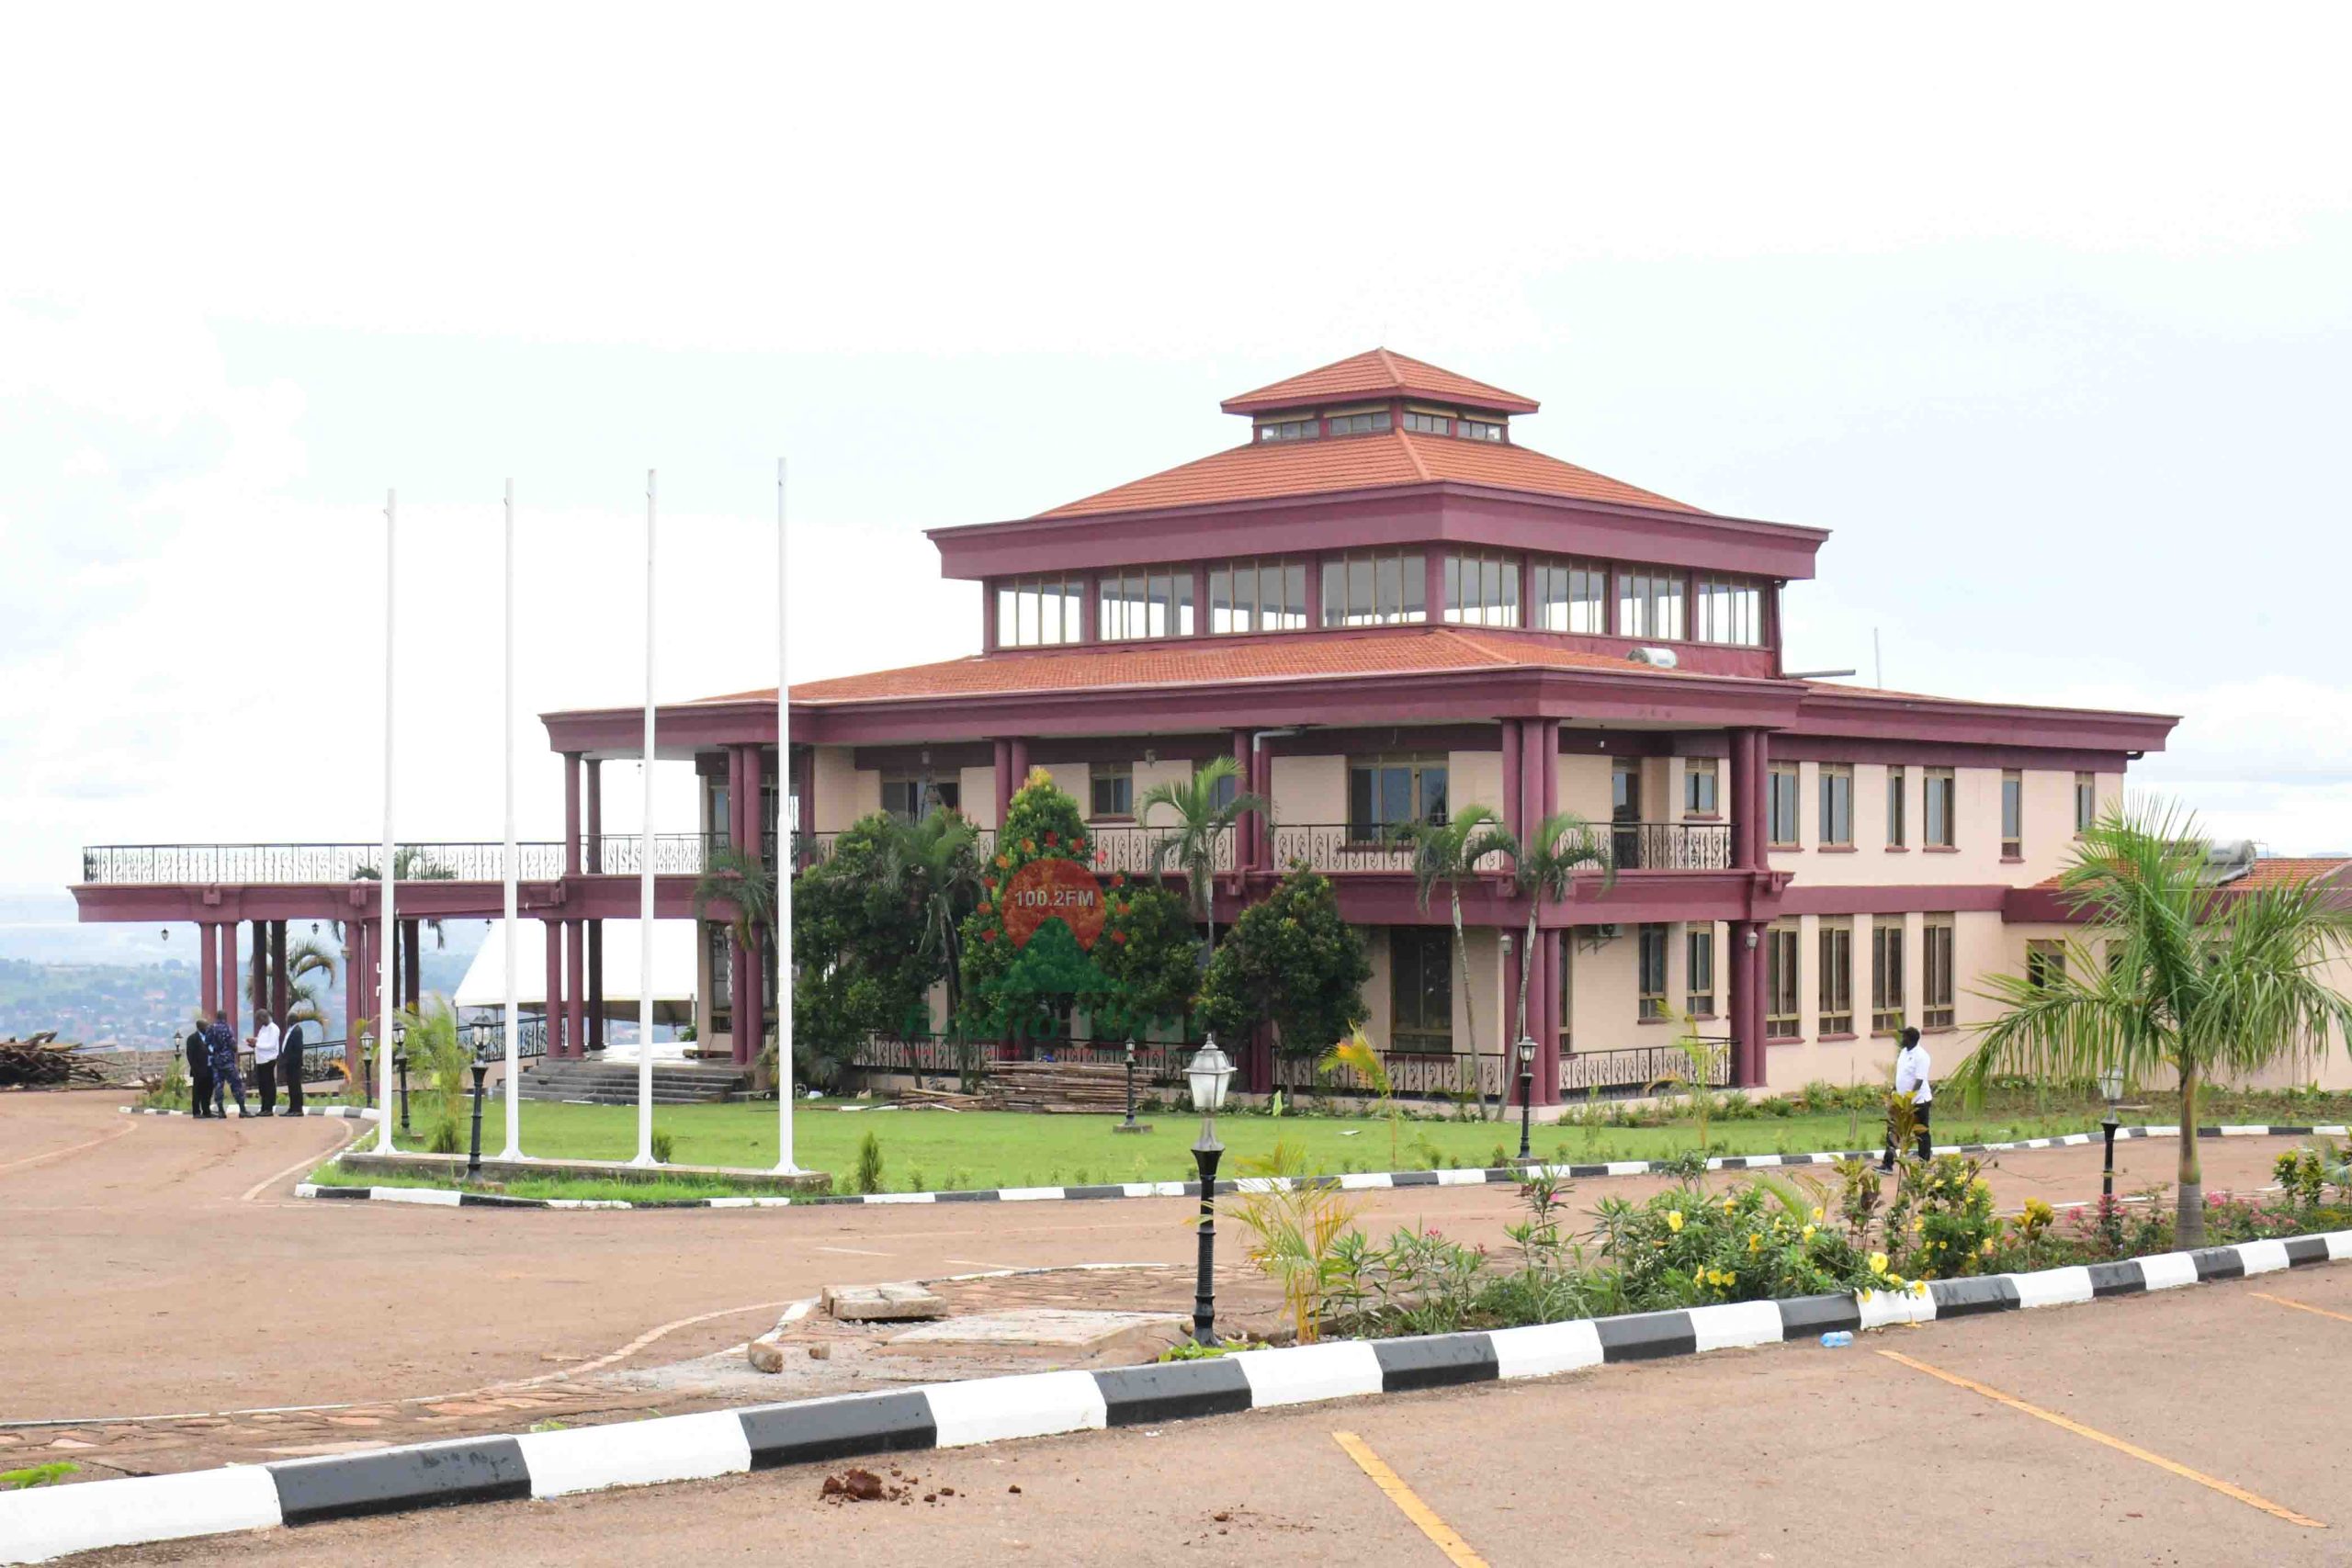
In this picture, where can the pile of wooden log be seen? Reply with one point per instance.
(1056, 1087)
(42, 1062)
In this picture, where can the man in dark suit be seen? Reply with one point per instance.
(289, 1069)
(199, 1071)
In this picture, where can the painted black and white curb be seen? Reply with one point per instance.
(1360, 1182)
(39, 1525)
(346, 1112)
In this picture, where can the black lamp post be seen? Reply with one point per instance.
(1207, 1075)
(1526, 1095)
(473, 1151)
(2111, 1084)
(1131, 1124)
(400, 1065)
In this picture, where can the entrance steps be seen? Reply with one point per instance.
(615, 1083)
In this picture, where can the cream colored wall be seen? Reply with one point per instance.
(1475, 778)
(1149, 775)
(1495, 990)
(1976, 861)
(1981, 943)
(1310, 791)
(977, 786)
(845, 792)
(1604, 995)
(1379, 1017)
(1584, 784)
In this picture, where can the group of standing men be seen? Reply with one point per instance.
(213, 1075)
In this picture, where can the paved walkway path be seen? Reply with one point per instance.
(159, 1266)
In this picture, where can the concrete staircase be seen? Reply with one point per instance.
(615, 1083)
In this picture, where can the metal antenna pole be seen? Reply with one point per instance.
(645, 875)
(384, 981)
(513, 1023)
(785, 857)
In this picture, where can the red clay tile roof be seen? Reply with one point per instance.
(1293, 656)
(1378, 373)
(1263, 471)
(2281, 872)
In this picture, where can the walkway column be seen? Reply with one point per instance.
(1262, 780)
(553, 1013)
(571, 813)
(208, 977)
(258, 992)
(355, 997)
(1003, 779)
(1747, 1004)
(227, 930)
(751, 1008)
(1544, 1002)
(1018, 747)
(281, 984)
(1746, 826)
(1518, 825)
(412, 962)
(595, 858)
(575, 998)
(1546, 734)
(1246, 829)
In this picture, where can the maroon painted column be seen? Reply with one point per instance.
(575, 995)
(1247, 828)
(553, 1013)
(1434, 560)
(1544, 1001)
(1200, 598)
(208, 962)
(412, 962)
(1747, 836)
(1019, 747)
(1519, 826)
(1747, 1004)
(257, 991)
(1547, 765)
(753, 1007)
(572, 814)
(281, 992)
(1003, 780)
(227, 972)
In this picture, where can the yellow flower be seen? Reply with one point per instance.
(1755, 1242)
(1862, 1295)
(1988, 1247)
(1918, 1287)
(1817, 1215)
(1878, 1262)
(1919, 1223)
(1982, 1185)
(1674, 1221)
(1808, 1233)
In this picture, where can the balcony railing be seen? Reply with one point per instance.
(1635, 1071)
(129, 864)
(1413, 1075)
(1671, 846)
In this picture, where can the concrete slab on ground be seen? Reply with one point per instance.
(1065, 1335)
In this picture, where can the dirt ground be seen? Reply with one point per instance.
(163, 1298)
(1788, 1454)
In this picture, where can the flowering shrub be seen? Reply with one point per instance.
(1756, 1240)
(1942, 1222)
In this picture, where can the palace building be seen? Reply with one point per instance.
(1383, 606)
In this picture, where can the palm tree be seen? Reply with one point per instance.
(305, 956)
(740, 879)
(2199, 978)
(1200, 821)
(1449, 853)
(934, 863)
(1545, 869)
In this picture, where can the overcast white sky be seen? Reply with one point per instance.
(2046, 314)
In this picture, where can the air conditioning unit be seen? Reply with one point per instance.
(1655, 657)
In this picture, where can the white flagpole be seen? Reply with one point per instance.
(389, 941)
(645, 875)
(514, 1027)
(783, 869)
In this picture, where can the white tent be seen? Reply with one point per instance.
(673, 970)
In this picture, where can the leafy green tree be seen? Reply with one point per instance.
(1290, 960)
(857, 950)
(1049, 976)
(1544, 868)
(1041, 824)
(2199, 979)
(934, 862)
(1200, 822)
(1151, 955)
(746, 885)
(1447, 854)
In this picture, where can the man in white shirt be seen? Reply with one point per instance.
(1911, 1070)
(265, 1064)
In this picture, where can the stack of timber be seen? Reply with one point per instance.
(40, 1062)
(1059, 1086)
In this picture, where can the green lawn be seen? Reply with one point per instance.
(935, 1150)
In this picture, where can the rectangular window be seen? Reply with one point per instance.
(1358, 424)
(1886, 975)
(1267, 594)
(1225, 791)
(1781, 804)
(1730, 610)
(2045, 962)
(1935, 965)
(912, 796)
(2012, 814)
(1481, 430)
(1370, 589)
(1384, 792)
(1150, 602)
(1781, 1020)
(1836, 977)
(1942, 808)
(1653, 971)
(1649, 604)
(720, 936)
(1290, 430)
(1698, 964)
(1420, 988)
(2086, 801)
(1482, 590)
(1111, 791)
(1033, 612)
(1570, 596)
(1427, 423)
(1838, 804)
(1898, 825)
(1699, 777)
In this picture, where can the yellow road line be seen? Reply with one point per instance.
(2118, 1444)
(1457, 1550)
(2299, 1306)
